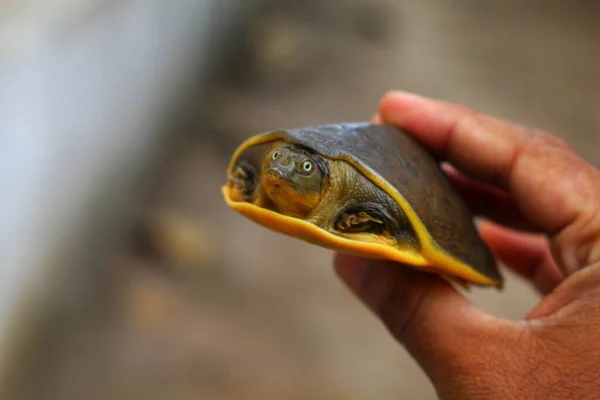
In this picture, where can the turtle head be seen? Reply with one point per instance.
(293, 178)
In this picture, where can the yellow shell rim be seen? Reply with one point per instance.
(431, 256)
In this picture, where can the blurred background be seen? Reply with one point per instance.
(124, 275)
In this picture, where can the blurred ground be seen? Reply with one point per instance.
(206, 305)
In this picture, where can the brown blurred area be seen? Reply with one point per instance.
(199, 303)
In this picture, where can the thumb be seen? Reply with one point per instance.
(448, 336)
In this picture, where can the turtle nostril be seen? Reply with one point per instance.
(273, 175)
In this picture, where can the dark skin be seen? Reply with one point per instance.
(542, 203)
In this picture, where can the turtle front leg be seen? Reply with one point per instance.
(362, 218)
(359, 222)
(242, 183)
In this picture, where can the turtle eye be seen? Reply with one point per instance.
(307, 166)
(275, 155)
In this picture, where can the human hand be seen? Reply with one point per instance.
(544, 201)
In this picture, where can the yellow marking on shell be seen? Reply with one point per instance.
(311, 233)
(443, 260)
(439, 260)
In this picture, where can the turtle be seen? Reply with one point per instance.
(362, 188)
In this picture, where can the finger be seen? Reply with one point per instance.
(435, 323)
(553, 187)
(526, 254)
(490, 202)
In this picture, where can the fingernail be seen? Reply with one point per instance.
(479, 222)
(351, 270)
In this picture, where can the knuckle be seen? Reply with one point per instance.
(536, 137)
(578, 244)
(543, 137)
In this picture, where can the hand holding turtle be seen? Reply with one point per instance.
(544, 201)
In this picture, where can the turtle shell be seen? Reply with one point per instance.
(408, 173)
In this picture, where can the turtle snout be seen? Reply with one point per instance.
(280, 170)
(274, 175)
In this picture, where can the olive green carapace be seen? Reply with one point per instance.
(399, 165)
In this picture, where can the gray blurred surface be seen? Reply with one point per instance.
(228, 310)
(85, 91)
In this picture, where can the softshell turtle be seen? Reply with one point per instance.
(360, 188)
